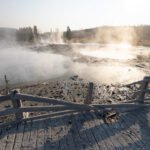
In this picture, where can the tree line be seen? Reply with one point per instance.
(139, 35)
(27, 34)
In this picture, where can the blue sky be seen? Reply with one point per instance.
(77, 14)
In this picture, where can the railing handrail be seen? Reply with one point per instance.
(62, 105)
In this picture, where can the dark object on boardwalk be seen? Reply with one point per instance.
(110, 116)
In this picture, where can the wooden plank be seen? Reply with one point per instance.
(75, 134)
(63, 134)
(11, 138)
(9, 111)
(143, 122)
(120, 142)
(81, 131)
(143, 134)
(95, 131)
(115, 130)
(120, 106)
(48, 115)
(33, 136)
(93, 144)
(44, 108)
(105, 135)
(124, 134)
(3, 138)
(55, 129)
(126, 125)
(26, 136)
(100, 133)
(69, 138)
(111, 139)
(19, 136)
(89, 143)
(40, 136)
(89, 98)
(55, 101)
(47, 135)
(4, 98)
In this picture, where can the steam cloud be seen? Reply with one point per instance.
(21, 65)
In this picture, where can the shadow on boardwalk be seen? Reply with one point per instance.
(80, 131)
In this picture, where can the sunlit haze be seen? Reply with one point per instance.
(78, 14)
(111, 51)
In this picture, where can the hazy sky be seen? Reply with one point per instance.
(77, 14)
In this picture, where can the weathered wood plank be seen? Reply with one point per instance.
(19, 136)
(48, 115)
(124, 134)
(4, 98)
(3, 139)
(105, 137)
(40, 136)
(75, 134)
(11, 138)
(62, 135)
(143, 122)
(26, 136)
(55, 101)
(126, 125)
(100, 133)
(108, 134)
(47, 135)
(69, 139)
(44, 108)
(32, 109)
(97, 133)
(55, 129)
(9, 111)
(79, 125)
(33, 136)
(87, 129)
(120, 106)
(116, 131)
(140, 132)
(86, 134)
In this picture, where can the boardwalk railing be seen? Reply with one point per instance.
(60, 107)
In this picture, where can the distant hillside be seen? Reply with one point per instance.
(138, 35)
(7, 34)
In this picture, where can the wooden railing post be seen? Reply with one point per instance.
(144, 86)
(6, 85)
(17, 103)
(89, 97)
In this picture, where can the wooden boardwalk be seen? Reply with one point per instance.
(80, 131)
